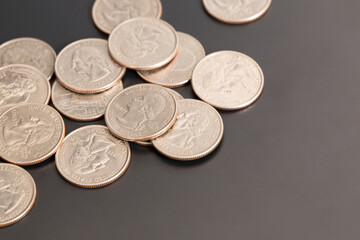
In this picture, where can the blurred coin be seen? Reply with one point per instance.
(107, 14)
(29, 51)
(85, 66)
(30, 133)
(17, 193)
(143, 43)
(228, 80)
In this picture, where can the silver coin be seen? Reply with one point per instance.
(141, 112)
(85, 66)
(30, 133)
(82, 107)
(92, 157)
(143, 43)
(21, 83)
(228, 80)
(29, 51)
(17, 193)
(107, 14)
(237, 11)
(178, 72)
(197, 131)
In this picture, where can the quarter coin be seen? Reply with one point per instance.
(85, 66)
(92, 157)
(143, 43)
(17, 193)
(228, 80)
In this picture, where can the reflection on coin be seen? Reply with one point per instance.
(228, 80)
(92, 157)
(17, 193)
(85, 66)
(107, 14)
(178, 71)
(82, 107)
(143, 43)
(30, 133)
(236, 11)
(22, 84)
(29, 51)
(141, 112)
(197, 131)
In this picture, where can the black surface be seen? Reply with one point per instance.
(288, 167)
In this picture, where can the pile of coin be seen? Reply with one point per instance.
(88, 86)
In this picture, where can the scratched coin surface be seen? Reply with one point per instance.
(143, 43)
(236, 11)
(29, 51)
(85, 66)
(141, 112)
(30, 133)
(21, 83)
(17, 193)
(82, 107)
(178, 72)
(92, 157)
(228, 80)
(197, 131)
(107, 14)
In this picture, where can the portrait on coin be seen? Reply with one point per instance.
(10, 196)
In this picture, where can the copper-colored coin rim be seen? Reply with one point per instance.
(144, 143)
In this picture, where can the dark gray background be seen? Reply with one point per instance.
(288, 167)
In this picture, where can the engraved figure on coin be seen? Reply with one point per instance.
(10, 195)
(70, 102)
(118, 11)
(18, 55)
(235, 6)
(92, 155)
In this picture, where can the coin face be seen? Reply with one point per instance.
(236, 11)
(17, 193)
(178, 72)
(85, 66)
(22, 84)
(29, 51)
(197, 131)
(143, 43)
(141, 112)
(228, 80)
(82, 107)
(30, 133)
(92, 157)
(107, 14)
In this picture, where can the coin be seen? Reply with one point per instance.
(178, 72)
(92, 157)
(85, 66)
(143, 43)
(197, 131)
(236, 11)
(82, 107)
(17, 193)
(107, 14)
(141, 112)
(228, 80)
(29, 51)
(30, 133)
(21, 83)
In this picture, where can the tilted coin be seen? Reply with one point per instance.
(30, 133)
(237, 11)
(29, 51)
(141, 112)
(82, 107)
(228, 80)
(143, 43)
(197, 131)
(85, 66)
(178, 72)
(17, 193)
(21, 83)
(107, 14)
(92, 157)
